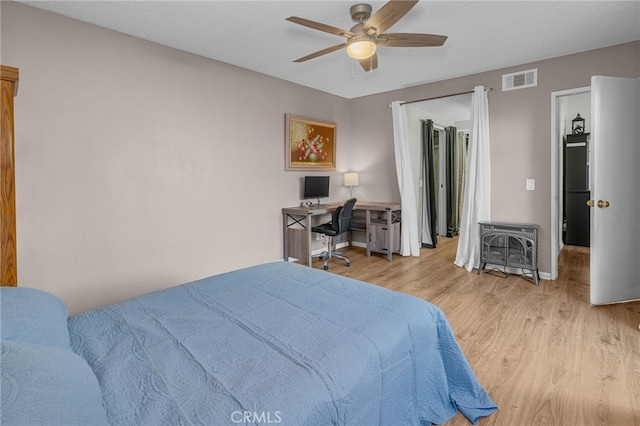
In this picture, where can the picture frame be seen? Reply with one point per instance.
(310, 144)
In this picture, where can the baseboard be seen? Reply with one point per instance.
(516, 271)
(338, 247)
(545, 275)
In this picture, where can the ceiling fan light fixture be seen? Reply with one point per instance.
(361, 48)
(363, 38)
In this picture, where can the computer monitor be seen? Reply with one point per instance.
(316, 187)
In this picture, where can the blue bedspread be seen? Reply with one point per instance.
(277, 344)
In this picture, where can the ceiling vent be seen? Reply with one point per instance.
(520, 80)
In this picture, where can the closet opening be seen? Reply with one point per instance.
(439, 130)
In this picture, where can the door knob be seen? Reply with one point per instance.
(590, 203)
(603, 204)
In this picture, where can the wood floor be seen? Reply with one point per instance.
(543, 354)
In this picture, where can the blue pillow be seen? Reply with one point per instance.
(33, 316)
(44, 385)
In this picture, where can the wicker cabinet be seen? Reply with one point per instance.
(507, 244)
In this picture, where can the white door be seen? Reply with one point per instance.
(615, 189)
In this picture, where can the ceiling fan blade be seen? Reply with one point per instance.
(369, 64)
(410, 40)
(388, 15)
(319, 26)
(321, 52)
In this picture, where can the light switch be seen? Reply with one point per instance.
(531, 184)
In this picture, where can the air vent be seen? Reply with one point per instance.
(520, 80)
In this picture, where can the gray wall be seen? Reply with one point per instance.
(140, 166)
(520, 130)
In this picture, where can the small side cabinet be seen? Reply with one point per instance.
(379, 237)
(379, 225)
(509, 244)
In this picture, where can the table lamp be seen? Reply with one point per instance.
(351, 180)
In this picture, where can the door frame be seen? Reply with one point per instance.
(556, 171)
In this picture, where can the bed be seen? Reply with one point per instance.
(273, 343)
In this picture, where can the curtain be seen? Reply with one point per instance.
(477, 194)
(429, 237)
(461, 168)
(409, 241)
(452, 211)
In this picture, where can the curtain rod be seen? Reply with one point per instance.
(440, 97)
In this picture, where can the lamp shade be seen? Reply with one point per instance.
(361, 48)
(350, 179)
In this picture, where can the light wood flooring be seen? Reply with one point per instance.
(544, 355)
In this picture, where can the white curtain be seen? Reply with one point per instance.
(461, 172)
(477, 192)
(410, 244)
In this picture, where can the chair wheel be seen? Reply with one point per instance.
(348, 263)
(326, 267)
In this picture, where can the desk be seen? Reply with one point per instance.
(381, 225)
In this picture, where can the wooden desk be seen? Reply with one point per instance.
(381, 226)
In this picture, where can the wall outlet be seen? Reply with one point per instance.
(531, 184)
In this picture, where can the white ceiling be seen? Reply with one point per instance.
(483, 35)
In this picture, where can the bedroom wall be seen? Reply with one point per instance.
(140, 166)
(136, 163)
(520, 130)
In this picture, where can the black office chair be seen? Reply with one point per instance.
(340, 223)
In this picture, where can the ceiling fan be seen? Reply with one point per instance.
(369, 33)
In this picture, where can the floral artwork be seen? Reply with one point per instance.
(309, 144)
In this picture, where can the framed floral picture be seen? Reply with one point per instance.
(309, 144)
